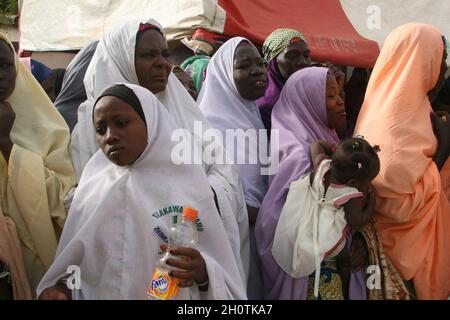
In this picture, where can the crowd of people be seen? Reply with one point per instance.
(360, 195)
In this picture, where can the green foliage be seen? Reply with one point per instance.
(9, 7)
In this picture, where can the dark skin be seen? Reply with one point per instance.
(56, 292)
(192, 265)
(294, 57)
(49, 88)
(433, 93)
(120, 131)
(187, 82)
(152, 67)
(441, 127)
(441, 121)
(50, 84)
(7, 85)
(249, 72)
(336, 115)
(358, 211)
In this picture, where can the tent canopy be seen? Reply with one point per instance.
(348, 32)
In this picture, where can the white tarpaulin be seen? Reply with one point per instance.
(49, 25)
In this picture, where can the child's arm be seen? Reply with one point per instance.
(320, 150)
(57, 292)
(359, 211)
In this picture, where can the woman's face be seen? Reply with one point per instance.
(336, 116)
(152, 67)
(294, 57)
(7, 71)
(120, 131)
(249, 72)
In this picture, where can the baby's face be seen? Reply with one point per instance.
(120, 131)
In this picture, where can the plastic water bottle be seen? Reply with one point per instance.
(184, 234)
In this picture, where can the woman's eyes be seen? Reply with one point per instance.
(293, 56)
(5, 65)
(297, 55)
(148, 55)
(100, 130)
(122, 123)
(243, 66)
(152, 55)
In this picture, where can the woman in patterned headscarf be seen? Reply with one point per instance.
(286, 51)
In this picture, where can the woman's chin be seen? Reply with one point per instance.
(157, 87)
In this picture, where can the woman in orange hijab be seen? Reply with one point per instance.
(412, 211)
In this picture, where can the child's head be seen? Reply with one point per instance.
(53, 84)
(186, 80)
(356, 163)
(120, 125)
(7, 71)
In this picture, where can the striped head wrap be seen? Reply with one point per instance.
(278, 40)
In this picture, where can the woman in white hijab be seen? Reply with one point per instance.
(236, 78)
(136, 53)
(122, 211)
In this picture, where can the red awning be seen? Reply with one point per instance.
(330, 34)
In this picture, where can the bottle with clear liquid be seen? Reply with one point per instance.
(183, 234)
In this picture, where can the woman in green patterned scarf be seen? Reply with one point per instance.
(286, 51)
(195, 66)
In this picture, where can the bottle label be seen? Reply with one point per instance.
(163, 286)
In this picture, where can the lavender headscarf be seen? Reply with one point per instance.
(300, 115)
(276, 83)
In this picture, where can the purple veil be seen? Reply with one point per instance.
(300, 116)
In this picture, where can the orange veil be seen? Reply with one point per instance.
(412, 210)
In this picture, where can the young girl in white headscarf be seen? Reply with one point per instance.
(128, 198)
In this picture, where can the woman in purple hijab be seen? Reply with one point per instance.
(286, 51)
(304, 113)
